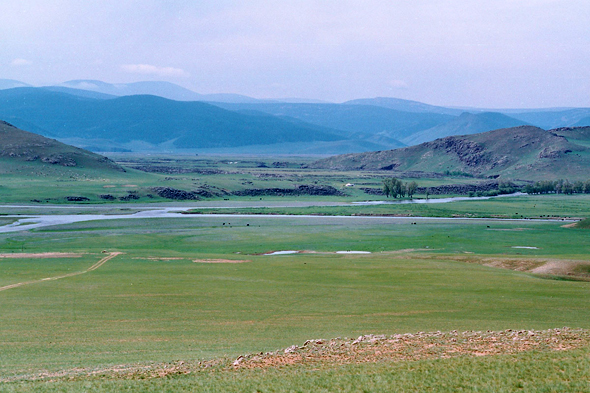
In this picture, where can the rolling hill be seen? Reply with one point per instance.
(404, 105)
(524, 152)
(150, 121)
(465, 124)
(167, 90)
(161, 116)
(11, 83)
(360, 121)
(22, 147)
(549, 119)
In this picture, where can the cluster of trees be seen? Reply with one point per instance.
(396, 188)
(558, 187)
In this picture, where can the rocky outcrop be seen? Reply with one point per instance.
(459, 189)
(306, 189)
(469, 152)
(76, 199)
(174, 193)
(452, 189)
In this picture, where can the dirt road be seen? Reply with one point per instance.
(91, 268)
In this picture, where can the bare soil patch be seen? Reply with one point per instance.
(23, 255)
(572, 268)
(510, 229)
(417, 346)
(221, 260)
(556, 268)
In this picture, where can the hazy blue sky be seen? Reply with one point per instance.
(489, 53)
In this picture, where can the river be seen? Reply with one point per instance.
(34, 221)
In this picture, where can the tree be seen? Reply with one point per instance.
(387, 187)
(398, 189)
(411, 188)
(393, 187)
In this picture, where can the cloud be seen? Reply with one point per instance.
(20, 62)
(81, 85)
(148, 69)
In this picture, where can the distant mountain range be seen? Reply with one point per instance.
(164, 116)
(144, 120)
(11, 84)
(524, 152)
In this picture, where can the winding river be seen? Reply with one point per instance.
(26, 222)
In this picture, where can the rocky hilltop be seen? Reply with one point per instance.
(524, 152)
(25, 147)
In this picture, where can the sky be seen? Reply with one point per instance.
(479, 53)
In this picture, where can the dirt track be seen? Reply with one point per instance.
(41, 255)
(91, 268)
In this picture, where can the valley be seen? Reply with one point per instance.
(181, 270)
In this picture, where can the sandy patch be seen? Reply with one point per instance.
(510, 229)
(560, 268)
(129, 185)
(288, 252)
(41, 255)
(221, 260)
(109, 186)
(572, 225)
(543, 266)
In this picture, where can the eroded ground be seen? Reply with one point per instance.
(406, 347)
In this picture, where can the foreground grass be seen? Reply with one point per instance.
(142, 306)
(154, 304)
(567, 371)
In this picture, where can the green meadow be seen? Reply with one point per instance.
(154, 303)
(198, 287)
(530, 206)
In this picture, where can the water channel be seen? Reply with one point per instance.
(26, 222)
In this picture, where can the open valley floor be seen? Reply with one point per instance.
(195, 302)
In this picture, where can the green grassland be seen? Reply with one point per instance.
(532, 206)
(142, 307)
(36, 182)
(154, 304)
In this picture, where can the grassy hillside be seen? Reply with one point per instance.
(524, 152)
(22, 149)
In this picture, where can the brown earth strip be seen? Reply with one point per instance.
(221, 260)
(338, 351)
(24, 255)
(542, 266)
(418, 346)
